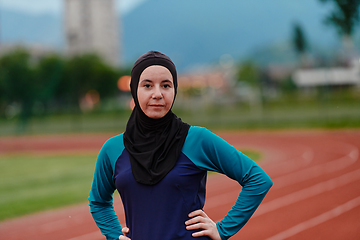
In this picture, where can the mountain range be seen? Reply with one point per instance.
(195, 33)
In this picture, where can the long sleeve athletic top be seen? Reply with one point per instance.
(159, 211)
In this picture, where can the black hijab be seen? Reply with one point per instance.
(154, 145)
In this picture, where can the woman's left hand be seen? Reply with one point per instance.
(125, 230)
(199, 220)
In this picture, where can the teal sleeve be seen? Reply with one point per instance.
(210, 152)
(103, 187)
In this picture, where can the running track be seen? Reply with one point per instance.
(316, 192)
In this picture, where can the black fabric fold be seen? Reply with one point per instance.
(154, 145)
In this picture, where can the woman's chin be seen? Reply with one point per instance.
(155, 115)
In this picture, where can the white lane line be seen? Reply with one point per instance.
(284, 166)
(317, 220)
(281, 167)
(317, 170)
(308, 192)
(301, 194)
(292, 178)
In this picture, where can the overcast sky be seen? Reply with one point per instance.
(55, 6)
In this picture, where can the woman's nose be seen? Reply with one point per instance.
(157, 93)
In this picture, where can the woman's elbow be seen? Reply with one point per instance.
(268, 183)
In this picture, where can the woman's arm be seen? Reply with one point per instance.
(101, 196)
(212, 153)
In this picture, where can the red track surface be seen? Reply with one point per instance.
(316, 192)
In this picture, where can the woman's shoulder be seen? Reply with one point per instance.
(112, 148)
(201, 136)
(197, 131)
(114, 142)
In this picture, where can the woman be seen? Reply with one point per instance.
(159, 166)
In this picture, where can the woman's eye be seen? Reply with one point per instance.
(147, 85)
(166, 85)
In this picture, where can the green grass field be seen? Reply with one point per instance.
(32, 183)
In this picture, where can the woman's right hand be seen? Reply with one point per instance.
(125, 231)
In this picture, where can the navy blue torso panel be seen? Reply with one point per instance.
(165, 205)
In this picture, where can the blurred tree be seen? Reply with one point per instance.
(344, 17)
(50, 75)
(299, 43)
(2, 92)
(17, 77)
(249, 73)
(106, 80)
(88, 72)
(53, 82)
(288, 86)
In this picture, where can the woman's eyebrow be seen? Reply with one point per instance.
(167, 80)
(145, 80)
(150, 81)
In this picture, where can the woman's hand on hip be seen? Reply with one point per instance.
(125, 230)
(207, 227)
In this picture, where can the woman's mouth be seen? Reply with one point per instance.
(156, 105)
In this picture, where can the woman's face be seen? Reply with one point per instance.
(156, 91)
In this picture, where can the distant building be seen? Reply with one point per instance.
(91, 27)
(206, 87)
(336, 76)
